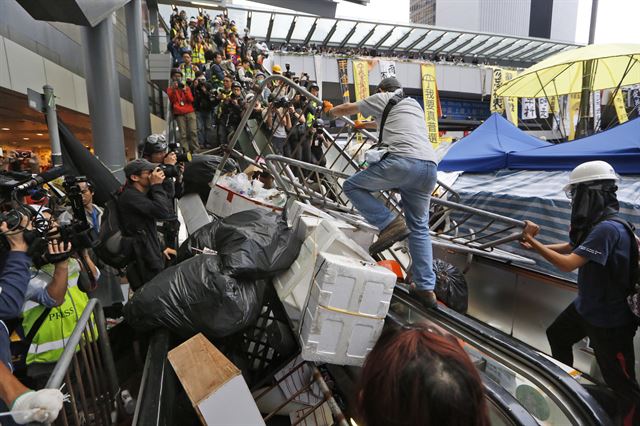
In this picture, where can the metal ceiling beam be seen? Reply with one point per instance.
(486, 49)
(395, 45)
(418, 40)
(503, 48)
(349, 35)
(435, 41)
(447, 44)
(311, 31)
(469, 41)
(249, 16)
(544, 54)
(475, 46)
(383, 39)
(291, 28)
(367, 37)
(523, 54)
(330, 33)
(271, 19)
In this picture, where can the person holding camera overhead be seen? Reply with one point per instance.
(142, 202)
(279, 122)
(182, 107)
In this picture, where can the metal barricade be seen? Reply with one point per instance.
(318, 180)
(86, 371)
(316, 378)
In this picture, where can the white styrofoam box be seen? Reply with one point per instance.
(224, 202)
(295, 209)
(361, 235)
(351, 285)
(193, 212)
(294, 284)
(337, 338)
(345, 311)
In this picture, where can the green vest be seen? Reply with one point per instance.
(50, 340)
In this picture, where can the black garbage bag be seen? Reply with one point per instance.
(201, 238)
(194, 296)
(199, 172)
(451, 286)
(256, 244)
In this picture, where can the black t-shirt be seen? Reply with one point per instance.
(604, 282)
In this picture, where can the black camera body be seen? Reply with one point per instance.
(169, 170)
(282, 102)
(181, 154)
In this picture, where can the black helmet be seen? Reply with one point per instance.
(154, 143)
(314, 85)
(236, 84)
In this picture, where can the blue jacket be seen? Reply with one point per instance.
(14, 279)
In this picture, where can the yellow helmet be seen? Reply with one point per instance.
(276, 69)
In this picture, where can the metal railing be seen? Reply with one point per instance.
(318, 179)
(86, 371)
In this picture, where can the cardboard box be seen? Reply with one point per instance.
(214, 385)
(344, 313)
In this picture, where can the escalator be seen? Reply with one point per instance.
(523, 386)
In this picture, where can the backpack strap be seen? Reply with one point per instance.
(634, 273)
(395, 100)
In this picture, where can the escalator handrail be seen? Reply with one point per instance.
(507, 404)
(579, 396)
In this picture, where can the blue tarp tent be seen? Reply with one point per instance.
(619, 146)
(487, 148)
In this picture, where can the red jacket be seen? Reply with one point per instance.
(181, 100)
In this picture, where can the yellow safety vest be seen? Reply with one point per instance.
(50, 340)
(198, 54)
(188, 73)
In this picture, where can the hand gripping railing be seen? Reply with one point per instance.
(86, 371)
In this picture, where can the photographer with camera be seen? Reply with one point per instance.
(205, 101)
(182, 107)
(222, 110)
(142, 202)
(56, 298)
(108, 289)
(279, 122)
(245, 74)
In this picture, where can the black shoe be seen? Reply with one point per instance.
(394, 232)
(426, 297)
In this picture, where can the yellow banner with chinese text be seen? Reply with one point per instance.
(429, 97)
(574, 114)
(361, 81)
(621, 111)
(511, 102)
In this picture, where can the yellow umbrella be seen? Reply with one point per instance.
(613, 65)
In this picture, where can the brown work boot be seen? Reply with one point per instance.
(396, 231)
(426, 297)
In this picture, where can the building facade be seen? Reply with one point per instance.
(551, 19)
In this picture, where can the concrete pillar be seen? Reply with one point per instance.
(103, 93)
(137, 70)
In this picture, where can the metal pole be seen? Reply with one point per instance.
(52, 124)
(594, 18)
(139, 92)
(103, 93)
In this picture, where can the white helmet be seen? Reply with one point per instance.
(591, 171)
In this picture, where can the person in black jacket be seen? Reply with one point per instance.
(204, 103)
(142, 202)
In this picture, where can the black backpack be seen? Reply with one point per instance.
(633, 300)
(113, 248)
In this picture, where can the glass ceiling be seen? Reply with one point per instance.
(281, 27)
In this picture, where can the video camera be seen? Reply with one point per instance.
(38, 230)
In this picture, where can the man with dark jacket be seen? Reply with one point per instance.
(142, 202)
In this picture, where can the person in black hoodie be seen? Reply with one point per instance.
(142, 202)
(601, 248)
(204, 103)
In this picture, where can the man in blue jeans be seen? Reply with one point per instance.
(409, 167)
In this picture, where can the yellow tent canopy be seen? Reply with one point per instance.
(561, 74)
